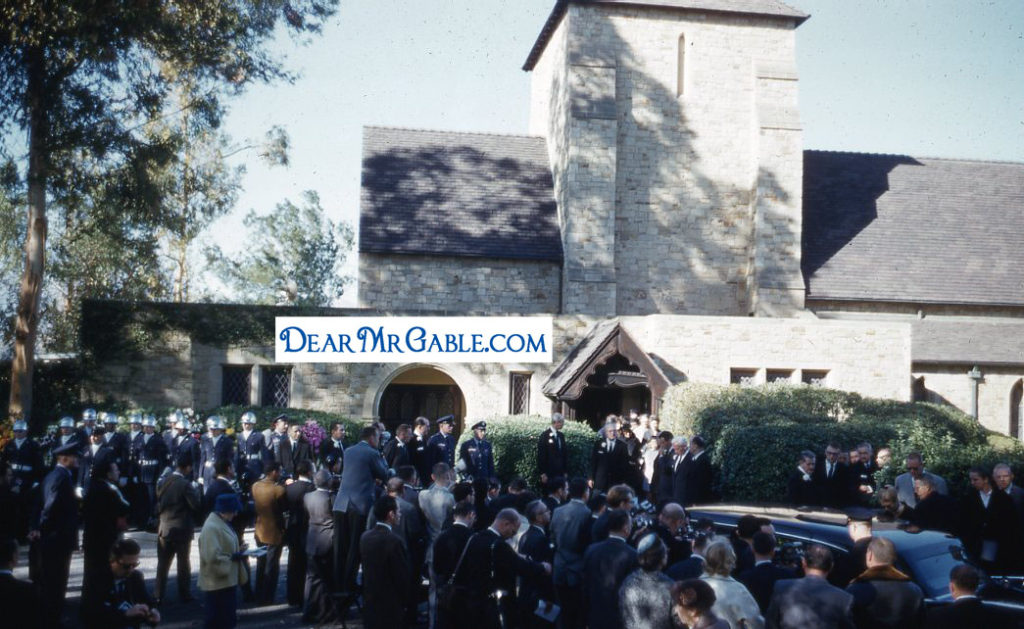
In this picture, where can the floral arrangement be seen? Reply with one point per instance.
(314, 434)
(6, 434)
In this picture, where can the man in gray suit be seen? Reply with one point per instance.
(570, 532)
(364, 464)
(810, 602)
(319, 608)
(179, 506)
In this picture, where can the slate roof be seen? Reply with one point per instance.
(457, 194)
(769, 8)
(968, 342)
(919, 230)
(569, 368)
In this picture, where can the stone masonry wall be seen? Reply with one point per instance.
(949, 384)
(162, 378)
(457, 285)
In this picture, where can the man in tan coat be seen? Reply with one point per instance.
(269, 501)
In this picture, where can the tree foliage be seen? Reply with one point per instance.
(81, 80)
(292, 256)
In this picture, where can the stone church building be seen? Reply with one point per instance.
(664, 210)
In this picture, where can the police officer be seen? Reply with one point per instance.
(183, 443)
(118, 441)
(87, 425)
(152, 459)
(68, 434)
(98, 454)
(25, 457)
(441, 447)
(253, 453)
(214, 447)
(55, 531)
(477, 455)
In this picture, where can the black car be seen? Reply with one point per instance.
(927, 556)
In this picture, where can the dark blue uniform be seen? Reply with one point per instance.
(440, 449)
(478, 457)
(89, 460)
(118, 442)
(152, 459)
(27, 470)
(186, 443)
(252, 455)
(57, 523)
(210, 452)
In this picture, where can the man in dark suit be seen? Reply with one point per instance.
(831, 478)
(800, 488)
(862, 475)
(396, 451)
(933, 511)
(698, 473)
(677, 470)
(608, 460)
(296, 529)
(364, 464)
(661, 478)
(447, 549)
(223, 483)
(570, 533)
(387, 584)
(760, 580)
(252, 453)
(988, 524)
(104, 515)
(966, 611)
(292, 450)
(334, 445)
(489, 573)
(214, 447)
(810, 602)
(556, 492)
(55, 531)
(605, 566)
(18, 599)
(119, 597)
(319, 608)
(1002, 475)
(441, 447)
(671, 528)
(418, 449)
(476, 454)
(534, 544)
(179, 507)
(552, 453)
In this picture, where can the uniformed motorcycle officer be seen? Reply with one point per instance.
(477, 455)
(117, 441)
(441, 447)
(87, 425)
(55, 532)
(151, 462)
(68, 434)
(214, 447)
(182, 442)
(25, 457)
(253, 453)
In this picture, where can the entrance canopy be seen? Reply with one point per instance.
(582, 368)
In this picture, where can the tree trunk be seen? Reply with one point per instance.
(30, 290)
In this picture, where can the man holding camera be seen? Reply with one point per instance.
(120, 598)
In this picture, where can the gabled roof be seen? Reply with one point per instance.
(919, 230)
(605, 340)
(763, 8)
(457, 194)
(968, 342)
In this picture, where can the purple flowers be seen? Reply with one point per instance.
(314, 434)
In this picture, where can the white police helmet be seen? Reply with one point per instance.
(248, 417)
(89, 415)
(149, 420)
(135, 418)
(216, 422)
(20, 425)
(182, 423)
(66, 422)
(175, 417)
(109, 418)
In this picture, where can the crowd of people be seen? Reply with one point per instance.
(410, 529)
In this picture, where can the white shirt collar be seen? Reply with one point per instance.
(384, 524)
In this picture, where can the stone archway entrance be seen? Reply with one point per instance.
(420, 391)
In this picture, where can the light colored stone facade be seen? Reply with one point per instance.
(455, 285)
(949, 384)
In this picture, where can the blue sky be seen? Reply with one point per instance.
(943, 78)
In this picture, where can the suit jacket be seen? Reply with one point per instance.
(269, 502)
(89, 460)
(419, 459)
(760, 581)
(179, 506)
(608, 466)
(57, 521)
(570, 533)
(447, 549)
(296, 518)
(605, 566)
(800, 492)
(905, 487)
(363, 464)
(213, 489)
(936, 512)
(320, 534)
(410, 528)
(964, 613)
(396, 454)
(387, 581)
(20, 603)
(187, 444)
(676, 471)
(328, 448)
(534, 545)
(210, 453)
(102, 508)
(492, 565)
(996, 524)
(288, 456)
(832, 492)
(698, 479)
(552, 453)
(661, 479)
(102, 607)
(809, 603)
(440, 449)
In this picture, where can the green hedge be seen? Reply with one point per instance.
(514, 439)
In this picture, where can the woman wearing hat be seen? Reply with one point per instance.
(220, 568)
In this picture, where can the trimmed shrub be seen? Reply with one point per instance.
(514, 440)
